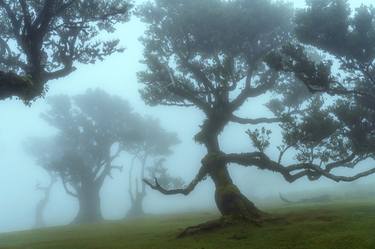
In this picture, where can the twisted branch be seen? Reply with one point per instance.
(294, 172)
(184, 191)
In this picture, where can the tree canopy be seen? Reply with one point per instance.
(209, 54)
(217, 55)
(42, 40)
(337, 131)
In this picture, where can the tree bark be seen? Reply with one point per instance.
(229, 199)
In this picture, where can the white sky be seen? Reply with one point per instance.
(117, 75)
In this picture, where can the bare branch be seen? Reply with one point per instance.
(67, 190)
(185, 191)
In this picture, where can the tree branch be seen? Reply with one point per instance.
(67, 190)
(184, 191)
(13, 85)
(294, 172)
(249, 92)
(255, 121)
(59, 73)
(184, 92)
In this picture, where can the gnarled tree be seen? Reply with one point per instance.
(91, 129)
(41, 40)
(152, 143)
(208, 54)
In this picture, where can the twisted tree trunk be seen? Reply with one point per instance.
(229, 199)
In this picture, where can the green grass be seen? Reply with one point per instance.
(330, 226)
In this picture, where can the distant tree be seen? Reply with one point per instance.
(208, 54)
(41, 40)
(93, 129)
(336, 132)
(42, 204)
(153, 142)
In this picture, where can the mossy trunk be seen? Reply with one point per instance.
(229, 199)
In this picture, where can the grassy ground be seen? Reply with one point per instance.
(330, 226)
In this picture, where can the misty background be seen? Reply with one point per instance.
(19, 173)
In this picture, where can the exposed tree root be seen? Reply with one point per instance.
(223, 222)
(204, 227)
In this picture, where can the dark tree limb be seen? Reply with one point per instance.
(197, 72)
(294, 172)
(254, 121)
(67, 190)
(13, 85)
(180, 90)
(184, 191)
(250, 92)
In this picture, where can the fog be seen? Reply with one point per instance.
(117, 75)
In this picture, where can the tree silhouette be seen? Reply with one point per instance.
(153, 142)
(93, 129)
(41, 40)
(208, 54)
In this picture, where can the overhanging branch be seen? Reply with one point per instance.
(294, 172)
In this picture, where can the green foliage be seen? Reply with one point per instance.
(197, 52)
(345, 127)
(44, 39)
(260, 138)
